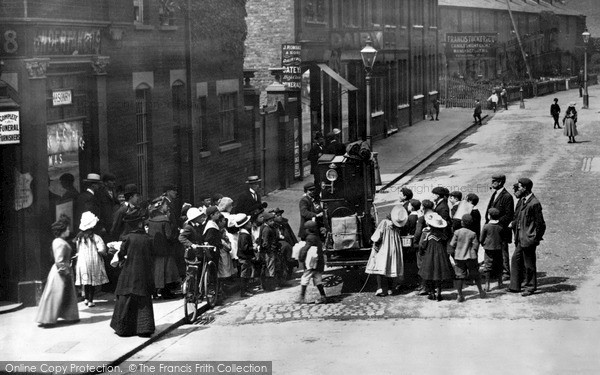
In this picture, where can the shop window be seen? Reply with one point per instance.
(390, 12)
(314, 11)
(140, 12)
(227, 110)
(143, 118)
(352, 13)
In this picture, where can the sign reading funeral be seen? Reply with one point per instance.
(10, 130)
(471, 45)
(290, 61)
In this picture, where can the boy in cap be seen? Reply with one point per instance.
(269, 248)
(313, 270)
(245, 254)
(463, 247)
(491, 240)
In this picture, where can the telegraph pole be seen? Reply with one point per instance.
(512, 20)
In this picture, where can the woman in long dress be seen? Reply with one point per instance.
(90, 271)
(164, 238)
(386, 259)
(59, 299)
(436, 267)
(133, 314)
(570, 123)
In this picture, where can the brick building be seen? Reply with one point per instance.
(550, 33)
(114, 86)
(331, 34)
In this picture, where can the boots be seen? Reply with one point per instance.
(482, 293)
(323, 298)
(459, 290)
(500, 284)
(300, 298)
(487, 282)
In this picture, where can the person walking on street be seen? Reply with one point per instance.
(477, 112)
(570, 123)
(504, 98)
(503, 201)
(435, 108)
(311, 256)
(529, 228)
(59, 299)
(581, 82)
(555, 112)
(493, 99)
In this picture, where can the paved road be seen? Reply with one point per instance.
(554, 331)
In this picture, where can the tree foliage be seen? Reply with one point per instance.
(219, 23)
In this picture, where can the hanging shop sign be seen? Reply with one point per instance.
(62, 97)
(290, 61)
(10, 129)
(471, 45)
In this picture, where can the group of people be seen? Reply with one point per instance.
(569, 120)
(144, 247)
(445, 234)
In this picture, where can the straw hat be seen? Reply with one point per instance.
(193, 213)
(399, 216)
(241, 220)
(92, 177)
(88, 221)
(433, 219)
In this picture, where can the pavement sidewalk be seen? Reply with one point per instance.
(93, 339)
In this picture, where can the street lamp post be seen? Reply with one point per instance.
(522, 105)
(586, 98)
(368, 54)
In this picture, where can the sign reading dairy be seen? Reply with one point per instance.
(471, 45)
(10, 129)
(62, 97)
(290, 61)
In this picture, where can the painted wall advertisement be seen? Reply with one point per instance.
(290, 61)
(471, 45)
(10, 129)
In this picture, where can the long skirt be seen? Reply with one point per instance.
(436, 263)
(570, 128)
(59, 299)
(165, 271)
(133, 315)
(225, 265)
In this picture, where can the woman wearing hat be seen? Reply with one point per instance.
(386, 259)
(570, 123)
(90, 271)
(436, 266)
(59, 299)
(133, 314)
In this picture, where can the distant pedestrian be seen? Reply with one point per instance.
(477, 112)
(386, 259)
(463, 247)
(315, 152)
(59, 299)
(555, 112)
(334, 145)
(570, 123)
(493, 99)
(90, 271)
(435, 108)
(134, 314)
(504, 98)
(529, 228)
(311, 256)
(436, 267)
(491, 241)
(581, 82)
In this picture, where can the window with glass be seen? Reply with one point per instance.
(140, 12)
(142, 119)
(390, 12)
(314, 11)
(178, 102)
(227, 109)
(375, 12)
(352, 11)
(202, 124)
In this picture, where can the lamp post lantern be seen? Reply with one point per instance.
(586, 38)
(368, 54)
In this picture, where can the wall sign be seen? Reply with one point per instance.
(10, 129)
(62, 97)
(23, 192)
(290, 61)
(471, 45)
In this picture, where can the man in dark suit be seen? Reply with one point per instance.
(249, 202)
(88, 200)
(133, 201)
(477, 112)
(503, 201)
(309, 210)
(334, 145)
(529, 228)
(316, 150)
(555, 112)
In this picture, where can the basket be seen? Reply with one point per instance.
(407, 241)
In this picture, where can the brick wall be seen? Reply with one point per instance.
(270, 24)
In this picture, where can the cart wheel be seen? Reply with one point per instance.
(211, 287)
(190, 300)
(342, 212)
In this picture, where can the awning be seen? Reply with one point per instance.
(330, 72)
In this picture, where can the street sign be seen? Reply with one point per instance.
(471, 45)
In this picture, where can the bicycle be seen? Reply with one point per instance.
(195, 289)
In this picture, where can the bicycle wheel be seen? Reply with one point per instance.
(211, 286)
(190, 299)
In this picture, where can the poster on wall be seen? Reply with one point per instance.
(66, 208)
(10, 130)
(291, 61)
(65, 139)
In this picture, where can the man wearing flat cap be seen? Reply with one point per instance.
(503, 201)
(310, 209)
(249, 202)
(529, 228)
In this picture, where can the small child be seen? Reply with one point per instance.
(473, 200)
(435, 267)
(316, 273)
(453, 201)
(491, 240)
(463, 247)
